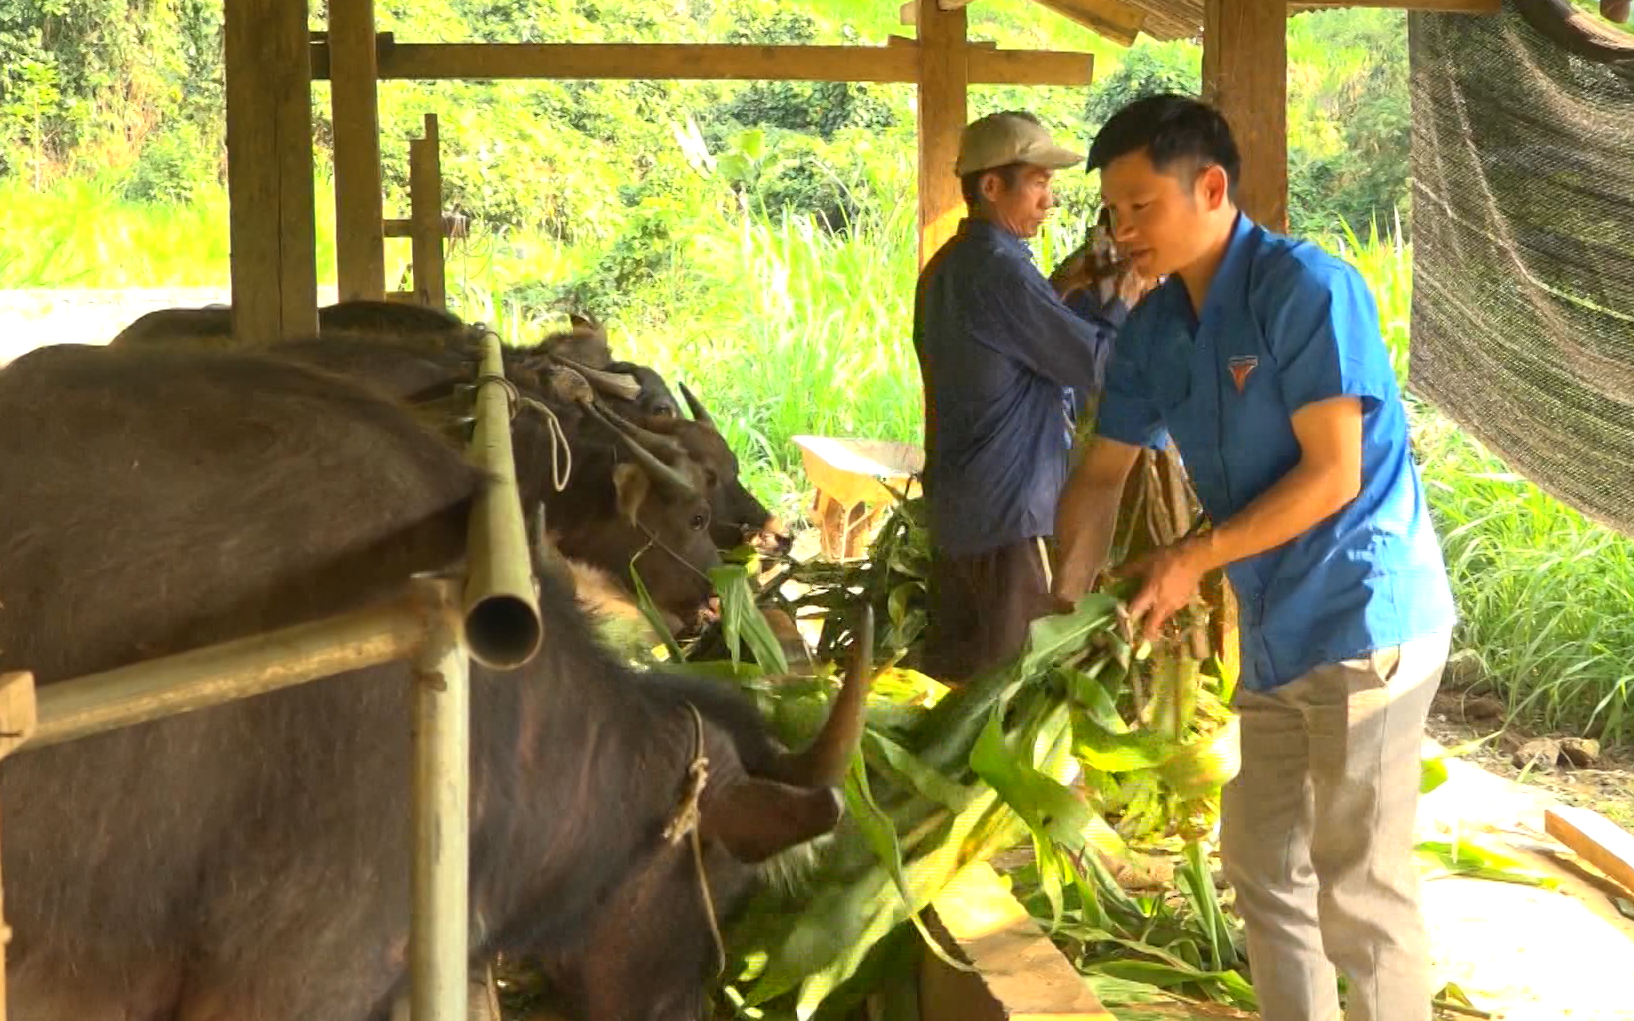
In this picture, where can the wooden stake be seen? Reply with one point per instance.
(17, 718)
(943, 90)
(426, 214)
(269, 171)
(1245, 74)
(360, 251)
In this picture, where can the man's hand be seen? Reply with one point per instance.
(1075, 272)
(1173, 576)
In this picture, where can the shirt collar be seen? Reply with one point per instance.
(1230, 278)
(977, 227)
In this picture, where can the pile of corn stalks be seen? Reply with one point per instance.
(1100, 755)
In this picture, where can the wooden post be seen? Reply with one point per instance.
(426, 214)
(17, 716)
(438, 952)
(1245, 74)
(943, 87)
(269, 171)
(360, 249)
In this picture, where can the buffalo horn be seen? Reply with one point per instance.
(661, 473)
(699, 412)
(646, 437)
(824, 762)
(613, 384)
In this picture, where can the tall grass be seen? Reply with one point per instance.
(785, 329)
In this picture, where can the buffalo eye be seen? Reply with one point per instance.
(711, 478)
(698, 522)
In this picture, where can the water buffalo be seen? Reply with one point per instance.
(623, 503)
(210, 328)
(252, 860)
(738, 515)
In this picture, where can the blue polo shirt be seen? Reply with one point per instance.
(998, 352)
(1286, 324)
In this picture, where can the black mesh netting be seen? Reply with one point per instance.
(1523, 252)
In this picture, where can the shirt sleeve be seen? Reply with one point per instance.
(1016, 302)
(1127, 411)
(1323, 330)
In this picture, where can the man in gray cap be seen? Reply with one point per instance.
(998, 351)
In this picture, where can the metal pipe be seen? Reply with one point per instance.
(502, 626)
(206, 677)
(440, 919)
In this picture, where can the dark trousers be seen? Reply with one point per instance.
(980, 608)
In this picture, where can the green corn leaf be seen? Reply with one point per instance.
(741, 616)
(1047, 806)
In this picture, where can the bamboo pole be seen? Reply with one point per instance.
(501, 603)
(223, 673)
(438, 933)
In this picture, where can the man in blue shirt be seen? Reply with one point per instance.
(1262, 357)
(997, 350)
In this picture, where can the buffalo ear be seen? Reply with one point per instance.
(631, 486)
(756, 818)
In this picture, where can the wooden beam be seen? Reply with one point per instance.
(1111, 18)
(1020, 975)
(897, 64)
(269, 171)
(942, 102)
(1432, 6)
(426, 214)
(1595, 839)
(1245, 74)
(360, 249)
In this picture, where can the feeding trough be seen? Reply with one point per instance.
(855, 480)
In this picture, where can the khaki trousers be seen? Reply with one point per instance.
(1316, 836)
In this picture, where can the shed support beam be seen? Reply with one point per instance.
(269, 171)
(897, 63)
(360, 249)
(943, 91)
(1245, 74)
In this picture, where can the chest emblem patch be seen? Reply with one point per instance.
(1241, 366)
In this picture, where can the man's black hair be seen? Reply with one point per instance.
(1179, 133)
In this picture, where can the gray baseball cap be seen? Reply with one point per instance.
(1002, 138)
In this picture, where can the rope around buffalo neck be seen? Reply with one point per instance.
(685, 822)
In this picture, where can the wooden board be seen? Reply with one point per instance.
(699, 62)
(1245, 74)
(18, 714)
(269, 171)
(360, 249)
(426, 216)
(1595, 839)
(942, 101)
(1020, 975)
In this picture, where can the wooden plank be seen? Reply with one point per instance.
(18, 713)
(269, 171)
(360, 248)
(1111, 18)
(426, 214)
(1595, 839)
(942, 102)
(665, 61)
(1245, 74)
(1019, 67)
(1020, 975)
(1434, 6)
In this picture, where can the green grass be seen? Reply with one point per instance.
(784, 330)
